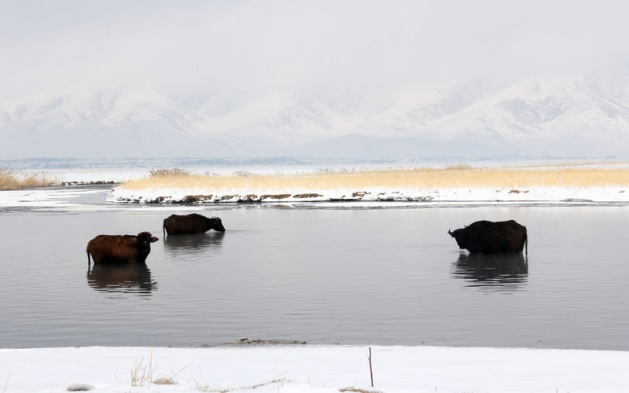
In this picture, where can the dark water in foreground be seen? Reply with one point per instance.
(323, 275)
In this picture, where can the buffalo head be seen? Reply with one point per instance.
(144, 242)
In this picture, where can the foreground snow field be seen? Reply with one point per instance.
(312, 369)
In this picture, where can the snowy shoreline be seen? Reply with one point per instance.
(73, 178)
(115, 195)
(487, 194)
(312, 369)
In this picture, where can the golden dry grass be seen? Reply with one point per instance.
(11, 179)
(417, 178)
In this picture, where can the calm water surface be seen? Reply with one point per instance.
(321, 274)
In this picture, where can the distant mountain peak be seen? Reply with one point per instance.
(544, 116)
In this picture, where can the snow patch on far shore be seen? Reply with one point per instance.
(492, 195)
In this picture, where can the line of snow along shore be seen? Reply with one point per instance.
(479, 194)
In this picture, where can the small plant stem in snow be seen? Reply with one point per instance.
(370, 368)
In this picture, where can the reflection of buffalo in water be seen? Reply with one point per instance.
(492, 269)
(135, 277)
(199, 241)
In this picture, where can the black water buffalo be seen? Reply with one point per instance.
(120, 248)
(491, 237)
(191, 223)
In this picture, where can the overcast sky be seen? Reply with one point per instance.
(334, 49)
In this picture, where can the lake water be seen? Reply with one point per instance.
(323, 274)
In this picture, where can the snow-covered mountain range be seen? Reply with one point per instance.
(564, 118)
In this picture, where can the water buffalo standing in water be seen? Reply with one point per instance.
(191, 223)
(492, 237)
(120, 248)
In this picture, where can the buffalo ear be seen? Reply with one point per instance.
(154, 239)
(450, 233)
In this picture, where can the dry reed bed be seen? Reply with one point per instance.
(393, 179)
(11, 179)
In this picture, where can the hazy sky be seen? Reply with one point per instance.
(334, 49)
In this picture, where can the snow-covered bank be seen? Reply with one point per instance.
(105, 197)
(118, 194)
(479, 194)
(198, 194)
(312, 369)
